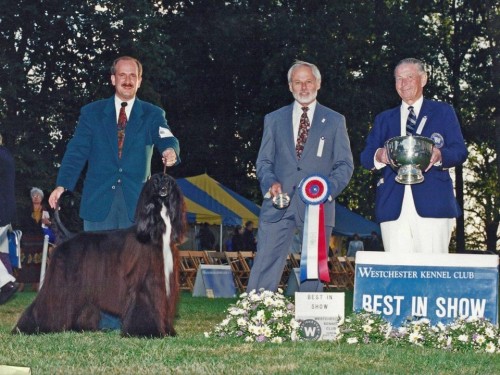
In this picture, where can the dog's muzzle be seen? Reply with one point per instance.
(163, 191)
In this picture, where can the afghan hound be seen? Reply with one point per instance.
(131, 273)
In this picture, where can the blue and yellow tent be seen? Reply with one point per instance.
(208, 201)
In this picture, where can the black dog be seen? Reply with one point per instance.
(131, 273)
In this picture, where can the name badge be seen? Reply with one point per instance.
(321, 144)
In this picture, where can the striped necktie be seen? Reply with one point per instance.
(411, 122)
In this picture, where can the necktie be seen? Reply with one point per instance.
(122, 123)
(302, 135)
(411, 122)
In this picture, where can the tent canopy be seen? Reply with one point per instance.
(347, 223)
(209, 201)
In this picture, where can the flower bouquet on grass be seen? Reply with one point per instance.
(363, 328)
(463, 334)
(259, 316)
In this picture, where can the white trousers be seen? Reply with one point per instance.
(411, 233)
(5, 277)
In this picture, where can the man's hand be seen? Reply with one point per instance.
(54, 196)
(381, 156)
(275, 189)
(169, 157)
(436, 158)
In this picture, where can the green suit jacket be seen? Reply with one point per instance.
(95, 144)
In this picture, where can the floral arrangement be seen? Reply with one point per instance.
(364, 328)
(265, 316)
(463, 334)
(259, 316)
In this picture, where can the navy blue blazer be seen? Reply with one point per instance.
(434, 197)
(95, 143)
(327, 152)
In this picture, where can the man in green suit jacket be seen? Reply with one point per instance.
(116, 170)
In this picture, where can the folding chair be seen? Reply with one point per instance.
(188, 270)
(199, 257)
(240, 268)
(294, 259)
(216, 257)
(339, 276)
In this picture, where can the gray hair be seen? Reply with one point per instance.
(410, 60)
(297, 63)
(36, 190)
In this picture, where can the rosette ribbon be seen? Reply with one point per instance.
(314, 191)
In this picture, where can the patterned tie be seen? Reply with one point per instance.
(303, 129)
(411, 122)
(122, 123)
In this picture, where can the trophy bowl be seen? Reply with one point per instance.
(409, 155)
(281, 201)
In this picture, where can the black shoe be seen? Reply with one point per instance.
(7, 291)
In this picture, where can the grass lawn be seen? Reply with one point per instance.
(191, 353)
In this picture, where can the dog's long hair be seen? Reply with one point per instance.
(131, 273)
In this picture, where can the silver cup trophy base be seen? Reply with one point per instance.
(409, 155)
(281, 201)
(409, 175)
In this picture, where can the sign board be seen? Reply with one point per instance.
(440, 287)
(319, 314)
(214, 281)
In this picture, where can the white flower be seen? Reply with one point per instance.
(278, 314)
(207, 334)
(415, 337)
(242, 322)
(268, 301)
(236, 311)
(463, 338)
(489, 332)
(367, 328)
(294, 324)
(249, 339)
(277, 340)
(266, 331)
(480, 339)
(490, 347)
(225, 322)
(352, 340)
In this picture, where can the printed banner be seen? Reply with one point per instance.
(440, 287)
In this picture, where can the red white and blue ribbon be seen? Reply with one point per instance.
(314, 191)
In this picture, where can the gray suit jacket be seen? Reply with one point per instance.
(277, 160)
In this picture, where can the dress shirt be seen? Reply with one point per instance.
(128, 108)
(297, 113)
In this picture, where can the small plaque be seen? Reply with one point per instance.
(319, 314)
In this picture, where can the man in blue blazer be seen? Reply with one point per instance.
(416, 218)
(326, 152)
(116, 170)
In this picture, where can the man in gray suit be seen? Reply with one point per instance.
(282, 163)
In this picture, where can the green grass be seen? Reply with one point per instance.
(191, 353)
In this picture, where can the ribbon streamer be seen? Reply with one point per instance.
(314, 191)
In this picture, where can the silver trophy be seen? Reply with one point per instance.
(281, 201)
(409, 155)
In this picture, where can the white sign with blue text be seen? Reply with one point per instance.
(440, 287)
